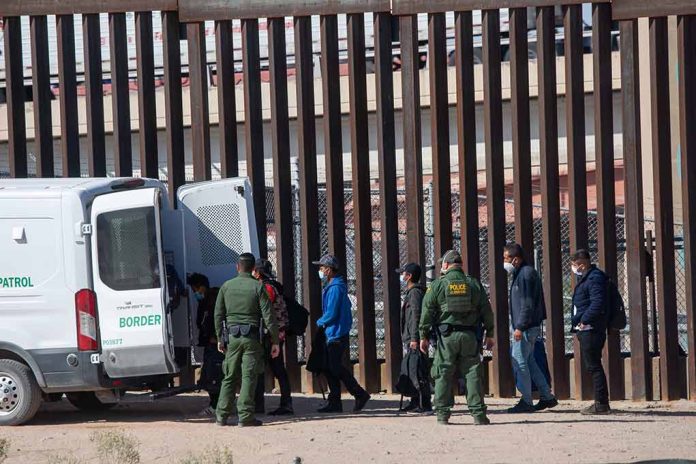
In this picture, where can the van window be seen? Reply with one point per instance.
(127, 249)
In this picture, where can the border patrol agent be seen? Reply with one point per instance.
(456, 304)
(244, 304)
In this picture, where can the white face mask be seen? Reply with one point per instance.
(322, 276)
(402, 279)
(509, 267)
(575, 270)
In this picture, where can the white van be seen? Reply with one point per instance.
(85, 308)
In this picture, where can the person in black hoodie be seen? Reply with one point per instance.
(527, 311)
(589, 321)
(410, 320)
(211, 372)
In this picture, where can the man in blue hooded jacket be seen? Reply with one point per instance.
(336, 321)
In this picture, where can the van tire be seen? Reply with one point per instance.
(14, 374)
(88, 401)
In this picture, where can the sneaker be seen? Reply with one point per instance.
(360, 402)
(335, 407)
(546, 404)
(221, 422)
(443, 420)
(251, 423)
(409, 407)
(482, 420)
(282, 411)
(596, 409)
(207, 412)
(521, 408)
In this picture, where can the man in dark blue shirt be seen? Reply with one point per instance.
(589, 321)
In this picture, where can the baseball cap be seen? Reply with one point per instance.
(451, 257)
(328, 261)
(264, 267)
(411, 268)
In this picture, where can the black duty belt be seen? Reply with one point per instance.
(446, 329)
(244, 330)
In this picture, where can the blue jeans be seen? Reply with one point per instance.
(526, 369)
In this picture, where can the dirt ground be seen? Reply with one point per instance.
(169, 430)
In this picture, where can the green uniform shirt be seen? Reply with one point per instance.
(243, 300)
(456, 299)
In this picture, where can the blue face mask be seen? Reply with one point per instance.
(198, 296)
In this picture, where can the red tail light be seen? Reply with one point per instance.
(86, 319)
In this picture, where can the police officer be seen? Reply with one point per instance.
(243, 303)
(457, 305)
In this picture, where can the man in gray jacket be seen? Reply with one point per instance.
(528, 311)
(410, 319)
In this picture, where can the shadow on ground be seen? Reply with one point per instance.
(185, 408)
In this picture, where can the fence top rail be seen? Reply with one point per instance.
(203, 10)
(407, 7)
(66, 7)
(632, 9)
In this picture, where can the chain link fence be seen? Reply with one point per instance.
(537, 253)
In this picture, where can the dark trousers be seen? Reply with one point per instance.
(277, 366)
(211, 373)
(591, 346)
(337, 371)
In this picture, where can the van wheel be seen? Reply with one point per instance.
(88, 401)
(20, 395)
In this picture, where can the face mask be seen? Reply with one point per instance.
(198, 296)
(576, 271)
(509, 267)
(322, 276)
(402, 279)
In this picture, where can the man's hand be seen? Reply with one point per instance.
(221, 347)
(489, 343)
(275, 351)
(414, 345)
(518, 335)
(424, 344)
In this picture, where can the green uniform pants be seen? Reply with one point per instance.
(457, 350)
(243, 363)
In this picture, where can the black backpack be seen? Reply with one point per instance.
(298, 317)
(616, 307)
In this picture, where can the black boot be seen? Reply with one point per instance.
(331, 407)
(283, 411)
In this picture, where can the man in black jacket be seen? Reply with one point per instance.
(590, 319)
(410, 320)
(528, 311)
(211, 372)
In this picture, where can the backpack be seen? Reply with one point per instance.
(616, 308)
(298, 317)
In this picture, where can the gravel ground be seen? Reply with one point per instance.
(170, 430)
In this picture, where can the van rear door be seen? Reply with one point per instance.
(130, 284)
(219, 225)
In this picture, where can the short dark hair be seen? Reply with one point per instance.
(581, 254)
(197, 280)
(247, 262)
(514, 250)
